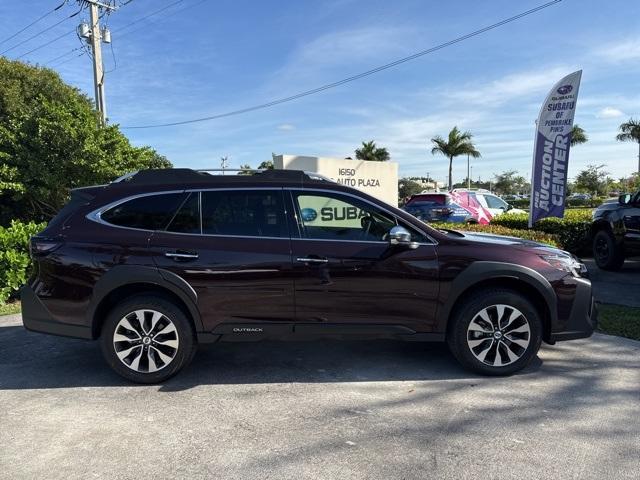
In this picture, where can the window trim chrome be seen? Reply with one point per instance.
(96, 215)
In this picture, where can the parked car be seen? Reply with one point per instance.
(438, 207)
(163, 260)
(616, 231)
(579, 196)
(492, 202)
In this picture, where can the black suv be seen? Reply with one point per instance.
(159, 261)
(616, 231)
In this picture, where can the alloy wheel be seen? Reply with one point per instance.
(145, 340)
(498, 335)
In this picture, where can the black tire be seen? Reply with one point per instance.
(606, 253)
(180, 335)
(461, 335)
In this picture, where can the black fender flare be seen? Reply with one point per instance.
(486, 270)
(122, 275)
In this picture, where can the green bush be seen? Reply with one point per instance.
(501, 230)
(572, 232)
(14, 256)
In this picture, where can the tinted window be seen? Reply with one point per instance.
(187, 220)
(437, 199)
(151, 212)
(258, 213)
(335, 217)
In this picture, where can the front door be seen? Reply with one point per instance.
(348, 278)
(233, 248)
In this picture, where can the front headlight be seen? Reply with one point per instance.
(566, 263)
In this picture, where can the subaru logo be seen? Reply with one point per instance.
(308, 214)
(565, 89)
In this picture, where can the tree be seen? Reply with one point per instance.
(266, 165)
(407, 187)
(509, 183)
(458, 143)
(369, 151)
(245, 169)
(50, 142)
(578, 135)
(630, 132)
(592, 180)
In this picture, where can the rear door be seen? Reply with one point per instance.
(348, 278)
(233, 247)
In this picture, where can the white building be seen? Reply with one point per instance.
(379, 179)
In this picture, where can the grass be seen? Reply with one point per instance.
(619, 320)
(10, 308)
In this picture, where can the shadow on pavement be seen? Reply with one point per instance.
(35, 361)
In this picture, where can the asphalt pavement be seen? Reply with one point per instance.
(318, 410)
(621, 287)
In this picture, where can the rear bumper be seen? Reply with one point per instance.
(583, 319)
(37, 318)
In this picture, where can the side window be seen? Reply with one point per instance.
(151, 212)
(187, 220)
(495, 202)
(254, 213)
(329, 216)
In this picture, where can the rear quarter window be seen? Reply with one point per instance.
(150, 212)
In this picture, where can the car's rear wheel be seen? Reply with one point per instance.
(495, 332)
(147, 339)
(606, 253)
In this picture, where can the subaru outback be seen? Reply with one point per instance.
(160, 261)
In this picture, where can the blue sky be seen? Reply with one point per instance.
(203, 57)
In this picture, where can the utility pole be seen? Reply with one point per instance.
(468, 174)
(95, 36)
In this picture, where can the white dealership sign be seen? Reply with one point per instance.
(379, 179)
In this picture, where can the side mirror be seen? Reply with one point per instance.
(624, 199)
(400, 236)
(509, 207)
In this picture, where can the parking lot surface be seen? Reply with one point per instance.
(621, 287)
(318, 410)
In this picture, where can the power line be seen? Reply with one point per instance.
(38, 34)
(46, 44)
(355, 77)
(115, 31)
(34, 22)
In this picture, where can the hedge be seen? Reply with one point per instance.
(572, 232)
(571, 202)
(534, 235)
(14, 256)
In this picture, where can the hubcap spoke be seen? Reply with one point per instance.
(498, 335)
(139, 347)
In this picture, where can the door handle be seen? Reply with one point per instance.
(181, 255)
(312, 260)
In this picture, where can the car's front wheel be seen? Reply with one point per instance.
(147, 339)
(495, 332)
(606, 253)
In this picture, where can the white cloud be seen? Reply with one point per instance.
(509, 87)
(286, 127)
(610, 112)
(619, 52)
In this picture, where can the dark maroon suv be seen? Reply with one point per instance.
(159, 261)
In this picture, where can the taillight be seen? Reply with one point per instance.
(39, 245)
(442, 211)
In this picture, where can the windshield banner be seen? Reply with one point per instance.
(551, 150)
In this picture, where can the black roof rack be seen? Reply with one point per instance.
(187, 175)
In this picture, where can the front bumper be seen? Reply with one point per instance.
(37, 318)
(583, 319)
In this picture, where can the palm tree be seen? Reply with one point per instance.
(630, 132)
(578, 135)
(371, 152)
(458, 143)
